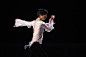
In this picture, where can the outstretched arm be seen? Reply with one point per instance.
(19, 22)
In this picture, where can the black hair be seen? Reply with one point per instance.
(42, 12)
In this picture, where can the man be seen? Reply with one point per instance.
(38, 27)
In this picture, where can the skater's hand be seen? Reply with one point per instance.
(52, 16)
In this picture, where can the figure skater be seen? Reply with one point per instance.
(38, 29)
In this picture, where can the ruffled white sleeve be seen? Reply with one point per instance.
(19, 22)
(48, 26)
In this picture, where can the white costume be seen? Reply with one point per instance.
(38, 27)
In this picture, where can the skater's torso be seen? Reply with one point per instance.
(38, 30)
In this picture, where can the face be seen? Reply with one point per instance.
(43, 17)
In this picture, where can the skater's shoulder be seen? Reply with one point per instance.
(43, 22)
(33, 20)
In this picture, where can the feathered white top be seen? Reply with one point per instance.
(38, 27)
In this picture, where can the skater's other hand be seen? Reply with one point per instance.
(52, 16)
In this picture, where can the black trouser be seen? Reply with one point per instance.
(37, 51)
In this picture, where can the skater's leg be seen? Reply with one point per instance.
(36, 48)
(32, 54)
(43, 51)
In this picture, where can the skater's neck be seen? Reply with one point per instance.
(39, 19)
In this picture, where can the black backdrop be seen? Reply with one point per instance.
(66, 40)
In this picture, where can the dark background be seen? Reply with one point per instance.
(66, 40)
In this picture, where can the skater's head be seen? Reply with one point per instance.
(42, 14)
